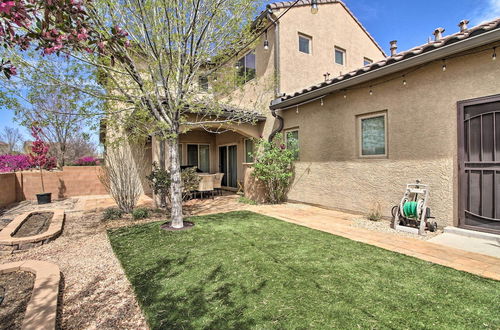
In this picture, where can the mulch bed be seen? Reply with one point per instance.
(16, 288)
(168, 226)
(36, 223)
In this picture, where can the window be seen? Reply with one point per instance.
(249, 151)
(373, 140)
(199, 156)
(339, 56)
(246, 67)
(292, 142)
(203, 83)
(367, 61)
(304, 44)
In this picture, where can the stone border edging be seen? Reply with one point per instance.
(11, 244)
(41, 311)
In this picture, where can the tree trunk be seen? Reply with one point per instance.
(176, 184)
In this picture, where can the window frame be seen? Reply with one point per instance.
(246, 153)
(244, 58)
(203, 87)
(290, 130)
(181, 154)
(309, 39)
(360, 119)
(344, 55)
(367, 60)
(198, 155)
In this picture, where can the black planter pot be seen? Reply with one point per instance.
(45, 198)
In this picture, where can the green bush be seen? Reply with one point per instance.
(246, 200)
(160, 182)
(112, 213)
(274, 167)
(140, 214)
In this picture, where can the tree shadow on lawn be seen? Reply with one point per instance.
(210, 303)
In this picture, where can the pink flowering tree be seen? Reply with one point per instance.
(39, 154)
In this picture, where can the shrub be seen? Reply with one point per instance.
(12, 163)
(160, 182)
(121, 175)
(86, 161)
(112, 213)
(274, 167)
(375, 214)
(246, 200)
(140, 214)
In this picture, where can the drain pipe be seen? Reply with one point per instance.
(277, 86)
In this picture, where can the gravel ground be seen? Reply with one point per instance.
(96, 293)
(385, 227)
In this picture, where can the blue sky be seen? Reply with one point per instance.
(409, 22)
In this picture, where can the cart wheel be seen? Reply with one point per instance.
(433, 226)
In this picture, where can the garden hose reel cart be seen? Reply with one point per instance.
(412, 214)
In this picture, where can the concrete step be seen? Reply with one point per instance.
(472, 234)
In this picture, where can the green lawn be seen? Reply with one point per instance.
(243, 270)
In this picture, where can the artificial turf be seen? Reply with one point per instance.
(243, 270)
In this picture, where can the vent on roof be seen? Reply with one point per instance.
(463, 25)
(438, 34)
(394, 47)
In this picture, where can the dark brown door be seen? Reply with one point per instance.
(479, 164)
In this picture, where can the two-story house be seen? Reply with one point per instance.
(296, 49)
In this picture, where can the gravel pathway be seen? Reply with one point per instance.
(384, 226)
(96, 293)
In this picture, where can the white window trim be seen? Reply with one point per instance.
(289, 130)
(209, 153)
(344, 55)
(245, 61)
(245, 151)
(360, 118)
(305, 36)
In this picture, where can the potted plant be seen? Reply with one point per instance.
(40, 160)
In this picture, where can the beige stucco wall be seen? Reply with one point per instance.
(422, 138)
(331, 27)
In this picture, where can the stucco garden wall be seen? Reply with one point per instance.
(422, 138)
(72, 181)
(7, 188)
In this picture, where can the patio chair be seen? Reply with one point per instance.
(218, 183)
(206, 185)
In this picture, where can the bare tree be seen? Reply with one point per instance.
(122, 172)
(13, 138)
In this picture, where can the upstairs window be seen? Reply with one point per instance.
(304, 44)
(339, 56)
(292, 142)
(246, 67)
(367, 61)
(203, 83)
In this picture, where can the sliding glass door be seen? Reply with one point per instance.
(228, 165)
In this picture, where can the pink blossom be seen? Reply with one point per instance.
(6, 7)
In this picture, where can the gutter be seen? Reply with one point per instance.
(427, 57)
(277, 80)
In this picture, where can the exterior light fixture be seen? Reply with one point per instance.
(266, 44)
(322, 103)
(314, 7)
(444, 65)
(371, 91)
(404, 80)
(494, 57)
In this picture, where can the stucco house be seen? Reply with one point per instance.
(327, 43)
(430, 113)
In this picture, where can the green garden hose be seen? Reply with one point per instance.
(410, 209)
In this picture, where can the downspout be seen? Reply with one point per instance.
(277, 76)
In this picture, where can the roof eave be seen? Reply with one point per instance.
(439, 53)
